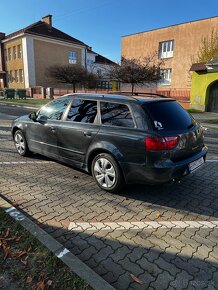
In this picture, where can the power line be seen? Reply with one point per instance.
(80, 11)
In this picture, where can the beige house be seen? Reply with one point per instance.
(29, 52)
(177, 45)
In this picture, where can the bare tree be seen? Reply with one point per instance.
(74, 75)
(137, 71)
(208, 47)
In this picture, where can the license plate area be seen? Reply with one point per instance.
(196, 164)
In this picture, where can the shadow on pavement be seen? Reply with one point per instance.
(136, 259)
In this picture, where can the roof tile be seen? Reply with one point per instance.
(43, 29)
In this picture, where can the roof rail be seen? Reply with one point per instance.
(124, 94)
(139, 93)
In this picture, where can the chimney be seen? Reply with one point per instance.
(47, 19)
(2, 35)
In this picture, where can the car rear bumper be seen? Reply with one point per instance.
(158, 173)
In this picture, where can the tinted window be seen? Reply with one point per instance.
(83, 111)
(168, 115)
(116, 115)
(54, 110)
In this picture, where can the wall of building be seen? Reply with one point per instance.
(48, 54)
(14, 64)
(201, 82)
(90, 60)
(101, 69)
(187, 38)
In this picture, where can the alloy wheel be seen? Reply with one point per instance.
(20, 143)
(104, 172)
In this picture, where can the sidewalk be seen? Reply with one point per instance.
(203, 117)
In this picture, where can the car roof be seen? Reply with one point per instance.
(120, 98)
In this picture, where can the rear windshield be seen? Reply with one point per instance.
(168, 115)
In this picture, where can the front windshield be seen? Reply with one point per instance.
(53, 110)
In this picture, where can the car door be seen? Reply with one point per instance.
(119, 131)
(78, 130)
(33, 136)
(42, 132)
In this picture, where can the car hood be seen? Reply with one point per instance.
(22, 118)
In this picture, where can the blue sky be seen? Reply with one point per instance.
(101, 23)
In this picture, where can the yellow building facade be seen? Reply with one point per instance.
(13, 54)
(28, 53)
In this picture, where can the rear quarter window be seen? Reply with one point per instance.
(168, 115)
(114, 114)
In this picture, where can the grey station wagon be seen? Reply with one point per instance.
(118, 139)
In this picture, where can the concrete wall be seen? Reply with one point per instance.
(201, 82)
(187, 38)
(48, 54)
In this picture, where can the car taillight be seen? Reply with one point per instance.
(161, 143)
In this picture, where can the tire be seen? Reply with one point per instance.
(107, 173)
(20, 143)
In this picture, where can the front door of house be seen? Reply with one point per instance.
(212, 105)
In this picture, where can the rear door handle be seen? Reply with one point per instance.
(87, 134)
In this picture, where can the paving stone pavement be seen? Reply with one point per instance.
(166, 236)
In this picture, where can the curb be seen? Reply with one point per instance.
(74, 263)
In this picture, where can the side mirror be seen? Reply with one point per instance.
(33, 116)
(42, 119)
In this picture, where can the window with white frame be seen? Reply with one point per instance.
(10, 76)
(9, 54)
(72, 56)
(166, 49)
(19, 51)
(6, 55)
(166, 75)
(21, 75)
(16, 76)
(14, 52)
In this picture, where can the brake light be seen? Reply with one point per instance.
(161, 143)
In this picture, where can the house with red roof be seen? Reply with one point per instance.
(25, 55)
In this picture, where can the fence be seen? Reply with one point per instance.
(181, 95)
(36, 92)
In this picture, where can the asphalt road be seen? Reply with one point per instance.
(141, 238)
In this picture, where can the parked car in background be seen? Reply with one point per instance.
(118, 139)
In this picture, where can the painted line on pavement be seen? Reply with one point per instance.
(23, 162)
(108, 226)
(213, 160)
(5, 139)
(69, 259)
(62, 253)
(21, 106)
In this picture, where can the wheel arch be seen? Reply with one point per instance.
(14, 130)
(94, 153)
(104, 147)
